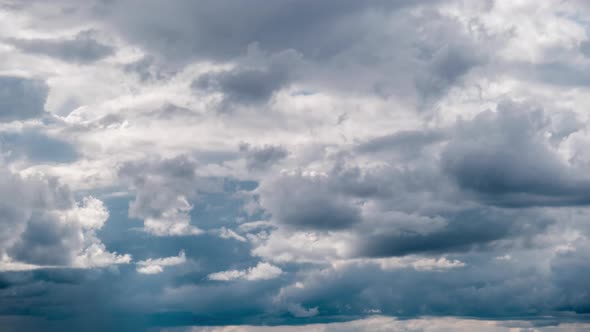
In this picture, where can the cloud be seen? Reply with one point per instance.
(163, 190)
(504, 157)
(304, 163)
(82, 48)
(417, 263)
(226, 233)
(21, 98)
(260, 158)
(156, 265)
(262, 271)
(44, 226)
(464, 231)
(185, 29)
(383, 324)
(253, 80)
(410, 142)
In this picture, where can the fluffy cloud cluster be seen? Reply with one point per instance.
(42, 226)
(294, 162)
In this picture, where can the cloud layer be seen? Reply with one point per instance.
(329, 166)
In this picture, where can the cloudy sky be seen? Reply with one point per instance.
(334, 165)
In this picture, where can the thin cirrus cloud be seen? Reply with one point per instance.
(303, 165)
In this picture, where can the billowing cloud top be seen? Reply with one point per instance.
(317, 165)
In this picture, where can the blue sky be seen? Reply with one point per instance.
(294, 165)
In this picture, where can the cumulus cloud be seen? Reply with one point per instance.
(511, 162)
(156, 265)
(163, 189)
(44, 226)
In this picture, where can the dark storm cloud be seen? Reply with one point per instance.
(503, 157)
(21, 98)
(82, 48)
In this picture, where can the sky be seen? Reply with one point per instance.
(294, 165)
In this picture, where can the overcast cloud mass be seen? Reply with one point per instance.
(334, 165)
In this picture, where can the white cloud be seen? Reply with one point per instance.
(156, 265)
(174, 221)
(414, 262)
(96, 255)
(262, 271)
(226, 233)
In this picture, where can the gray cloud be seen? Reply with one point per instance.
(147, 68)
(446, 65)
(82, 48)
(260, 158)
(408, 143)
(247, 86)
(165, 190)
(504, 157)
(43, 225)
(190, 30)
(254, 81)
(466, 175)
(308, 203)
(342, 44)
(485, 291)
(374, 179)
(464, 231)
(46, 241)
